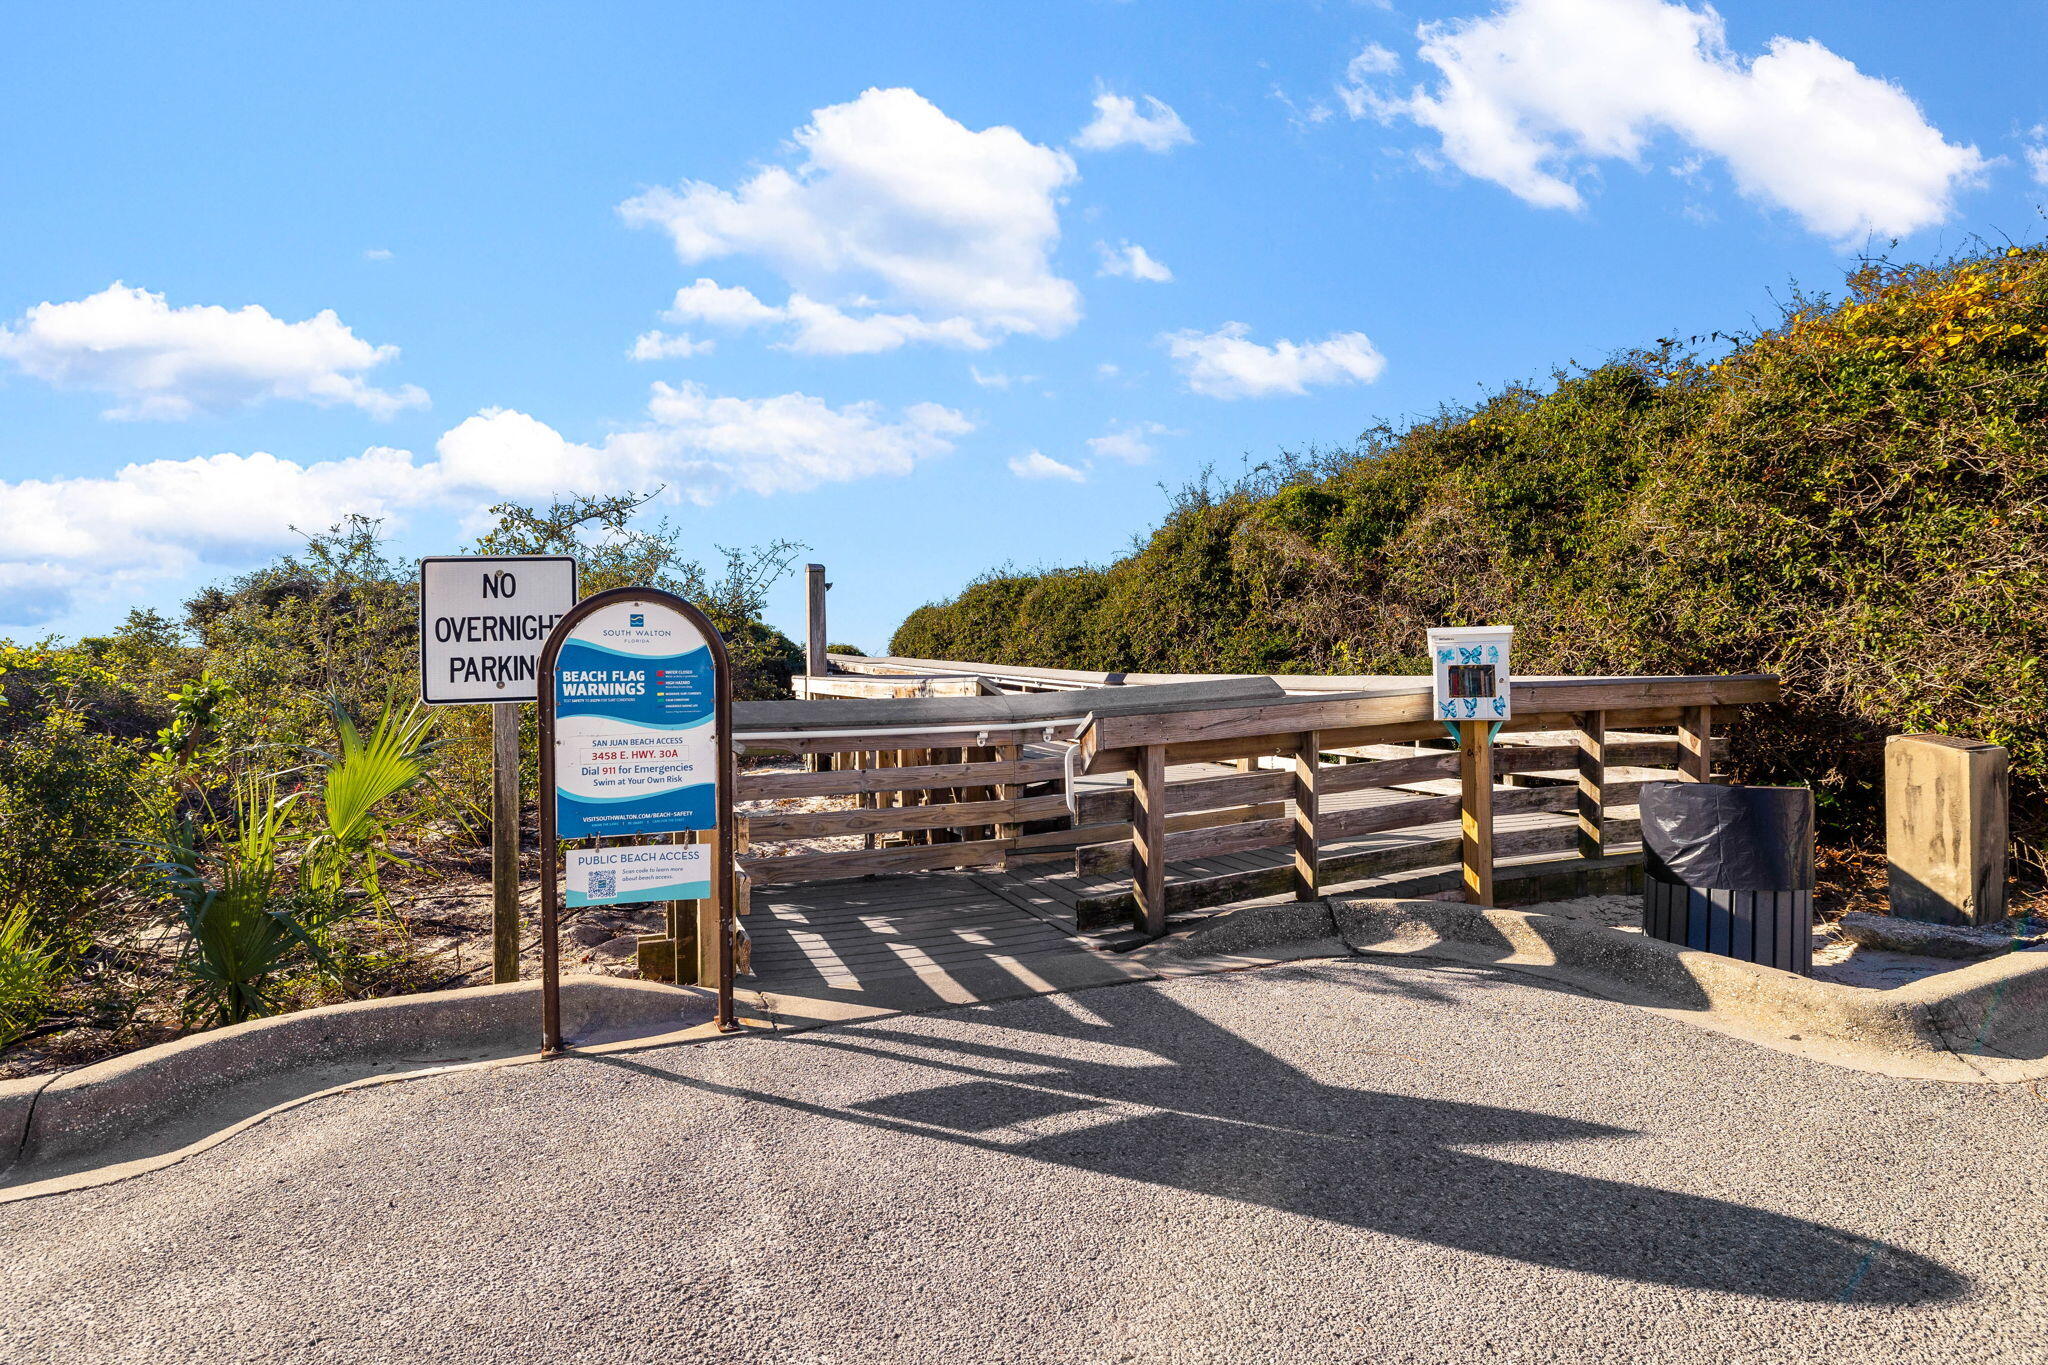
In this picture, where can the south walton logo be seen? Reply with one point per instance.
(636, 620)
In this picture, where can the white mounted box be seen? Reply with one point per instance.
(1470, 666)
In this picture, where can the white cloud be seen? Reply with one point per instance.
(502, 453)
(1129, 442)
(377, 253)
(659, 345)
(1033, 465)
(819, 328)
(1108, 369)
(63, 537)
(1223, 364)
(1118, 123)
(1300, 117)
(2037, 152)
(168, 363)
(700, 446)
(1130, 261)
(998, 380)
(715, 305)
(1355, 89)
(1534, 94)
(783, 444)
(952, 228)
(824, 329)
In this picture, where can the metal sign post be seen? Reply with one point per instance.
(482, 621)
(635, 738)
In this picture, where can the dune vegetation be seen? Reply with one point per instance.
(1855, 498)
(208, 818)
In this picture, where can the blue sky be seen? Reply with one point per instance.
(915, 224)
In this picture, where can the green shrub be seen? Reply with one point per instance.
(66, 801)
(246, 922)
(29, 968)
(359, 779)
(1855, 499)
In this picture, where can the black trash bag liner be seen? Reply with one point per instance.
(1714, 837)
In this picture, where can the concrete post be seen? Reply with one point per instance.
(1945, 828)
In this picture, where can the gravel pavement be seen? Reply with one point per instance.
(1345, 1161)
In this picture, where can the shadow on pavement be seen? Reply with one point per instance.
(1215, 1115)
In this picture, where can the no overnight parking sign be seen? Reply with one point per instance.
(483, 619)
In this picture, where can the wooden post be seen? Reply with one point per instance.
(682, 927)
(1947, 823)
(1475, 778)
(918, 758)
(672, 955)
(867, 760)
(1009, 753)
(1307, 766)
(504, 841)
(1592, 805)
(1696, 744)
(815, 663)
(1148, 838)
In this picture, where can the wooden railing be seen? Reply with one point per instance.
(923, 803)
(945, 799)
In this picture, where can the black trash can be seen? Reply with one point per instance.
(1729, 870)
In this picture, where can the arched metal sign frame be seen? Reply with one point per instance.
(722, 844)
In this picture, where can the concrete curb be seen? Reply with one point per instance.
(1988, 1021)
(47, 1119)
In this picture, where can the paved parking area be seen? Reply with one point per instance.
(1357, 1160)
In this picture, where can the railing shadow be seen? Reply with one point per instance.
(1213, 1114)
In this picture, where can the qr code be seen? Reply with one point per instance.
(603, 884)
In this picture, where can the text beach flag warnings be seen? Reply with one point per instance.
(635, 692)
(483, 619)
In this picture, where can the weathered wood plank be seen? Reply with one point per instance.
(813, 867)
(1108, 734)
(839, 744)
(1115, 906)
(821, 824)
(1308, 773)
(1223, 750)
(1535, 720)
(1507, 758)
(839, 687)
(1220, 840)
(1046, 843)
(1289, 717)
(1589, 795)
(1201, 794)
(1148, 839)
(1696, 744)
(1113, 857)
(1420, 810)
(1614, 694)
(1012, 756)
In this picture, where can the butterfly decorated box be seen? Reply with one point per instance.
(1470, 664)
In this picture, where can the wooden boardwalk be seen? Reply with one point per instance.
(862, 934)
